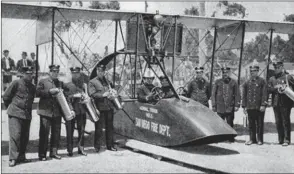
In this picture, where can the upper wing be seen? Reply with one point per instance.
(21, 11)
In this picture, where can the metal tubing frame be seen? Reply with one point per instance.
(123, 68)
(115, 47)
(121, 32)
(269, 53)
(166, 36)
(241, 52)
(144, 33)
(52, 35)
(137, 45)
(174, 49)
(212, 61)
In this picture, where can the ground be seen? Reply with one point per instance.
(128, 161)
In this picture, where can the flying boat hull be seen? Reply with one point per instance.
(171, 122)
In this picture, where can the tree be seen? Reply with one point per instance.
(278, 45)
(191, 36)
(232, 9)
(108, 5)
(288, 52)
(258, 48)
(192, 11)
(191, 39)
(69, 3)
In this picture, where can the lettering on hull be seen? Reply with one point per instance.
(153, 127)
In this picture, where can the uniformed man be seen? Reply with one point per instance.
(281, 103)
(73, 92)
(225, 97)
(254, 103)
(7, 65)
(19, 98)
(144, 91)
(166, 88)
(50, 113)
(99, 90)
(199, 88)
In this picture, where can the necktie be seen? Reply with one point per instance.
(7, 63)
(24, 62)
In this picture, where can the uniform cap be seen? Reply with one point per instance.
(278, 63)
(254, 68)
(199, 69)
(225, 69)
(101, 66)
(75, 69)
(54, 67)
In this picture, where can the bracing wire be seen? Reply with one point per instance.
(216, 49)
(20, 31)
(221, 44)
(58, 54)
(76, 32)
(196, 38)
(100, 34)
(287, 45)
(255, 45)
(123, 68)
(90, 37)
(232, 41)
(196, 45)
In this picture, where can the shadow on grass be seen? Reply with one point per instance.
(33, 145)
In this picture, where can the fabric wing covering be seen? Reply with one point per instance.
(20, 11)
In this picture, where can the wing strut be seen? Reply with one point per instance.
(269, 54)
(52, 35)
(212, 61)
(241, 52)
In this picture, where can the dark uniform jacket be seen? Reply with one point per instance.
(225, 95)
(19, 98)
(199, 90)
(277, 98)
(168, 93)
(69, 90)
(48, 105)
(97, 87)
(143, 91)
(254, 93)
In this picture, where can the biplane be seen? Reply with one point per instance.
(154, 41)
